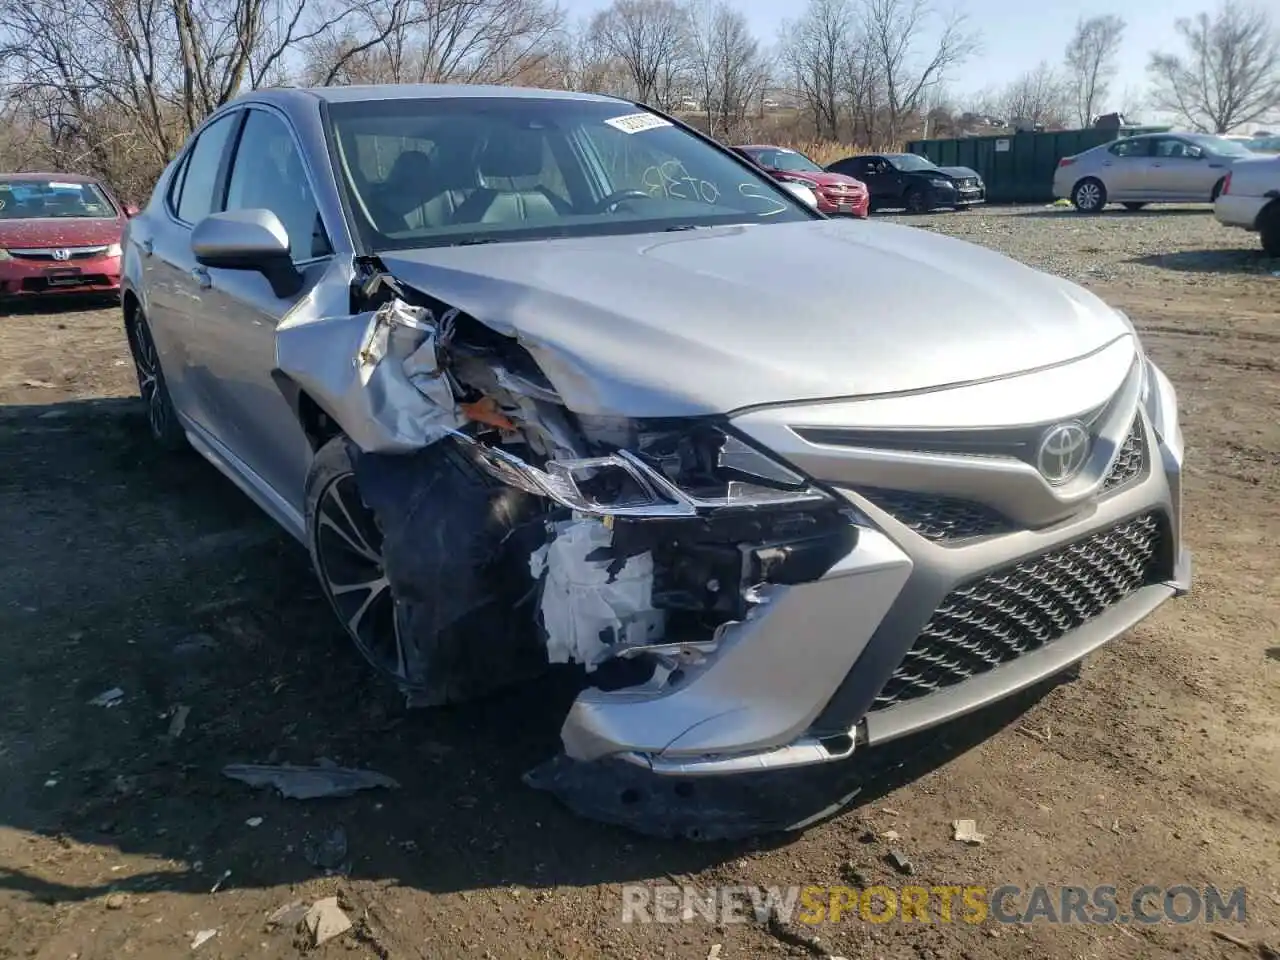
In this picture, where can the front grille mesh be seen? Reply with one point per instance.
(936, 517)
(1021, 608)
(1129, 461)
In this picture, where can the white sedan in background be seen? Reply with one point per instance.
(1250, 200)
(1149, 168)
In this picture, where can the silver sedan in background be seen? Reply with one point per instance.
(1150, 168)
(543, 377)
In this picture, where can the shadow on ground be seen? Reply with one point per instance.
(1242, 261)
(1121, 212)
(123, 567)
(55, 304)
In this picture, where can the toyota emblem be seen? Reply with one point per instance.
(62, 254)
(1064, 448)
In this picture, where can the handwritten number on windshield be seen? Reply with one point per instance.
(673, 181)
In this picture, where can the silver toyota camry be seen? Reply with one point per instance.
(542, 377)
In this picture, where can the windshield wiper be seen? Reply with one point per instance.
(686, 226)
(473, 241)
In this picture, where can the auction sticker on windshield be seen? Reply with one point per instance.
(637, 122)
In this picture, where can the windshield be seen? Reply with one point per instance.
(910, 162)
(1222, 146)
(779, 159)
(45, 199)
(429, 172)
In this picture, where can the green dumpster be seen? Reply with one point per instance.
(1018, 168)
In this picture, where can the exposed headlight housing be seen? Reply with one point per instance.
(5, 255)
(694, 468)
(114, 250)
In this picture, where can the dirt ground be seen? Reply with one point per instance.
(125, 568)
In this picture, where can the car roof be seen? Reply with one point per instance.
(763, 146)
(293, 96)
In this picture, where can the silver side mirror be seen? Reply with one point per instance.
(248, 240)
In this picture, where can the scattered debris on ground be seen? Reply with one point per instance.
(108, 698)
(792, 935)
(202, 937)
(900, 862)
(178, 722)
(325, 920)
(966, 831)
(329, 851)
(308, 783)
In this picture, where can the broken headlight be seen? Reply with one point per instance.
(674, 469)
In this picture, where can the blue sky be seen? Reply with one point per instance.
(1017, 34)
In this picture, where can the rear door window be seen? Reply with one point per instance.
(1131, 148)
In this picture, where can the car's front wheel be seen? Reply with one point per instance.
(916, 201)
(346, 551)
(162, 419)
(1089, 195)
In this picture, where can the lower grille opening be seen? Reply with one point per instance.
(1022, 608)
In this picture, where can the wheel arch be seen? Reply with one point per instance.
(318, 424)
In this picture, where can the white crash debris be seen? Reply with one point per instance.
(590, 609)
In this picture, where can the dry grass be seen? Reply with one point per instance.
(823, 152)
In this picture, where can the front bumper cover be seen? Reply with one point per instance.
(796, 685)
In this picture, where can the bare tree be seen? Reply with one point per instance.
(1091, 63)
(728, 69)
(650, 38)
(1230, 73)
(581, 61)
(894, 34)
(1038, 97)
(814, 54)
(117, 85)
(438, 41)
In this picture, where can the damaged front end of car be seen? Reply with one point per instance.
(662, 555)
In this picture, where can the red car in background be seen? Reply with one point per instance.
(836, 192)
(59, 233)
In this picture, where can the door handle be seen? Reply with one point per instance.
(201, 276)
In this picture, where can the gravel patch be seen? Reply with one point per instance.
(1163, 244)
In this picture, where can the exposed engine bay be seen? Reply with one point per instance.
(519, 533)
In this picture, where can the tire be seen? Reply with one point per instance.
(1269, 230)
(1089, 195)
(342, 553)
(1217, 190)
(162, 418)
(916, 201)
(1134, 206)
(413, 609)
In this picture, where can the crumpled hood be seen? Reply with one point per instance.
(60, 232)
(960, 173)
(712, 320)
